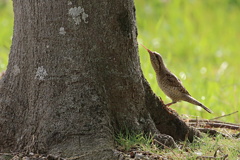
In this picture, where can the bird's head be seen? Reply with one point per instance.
(156, 60)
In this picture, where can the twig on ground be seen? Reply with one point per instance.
(214, 156)
(224, 115)
(212, 124)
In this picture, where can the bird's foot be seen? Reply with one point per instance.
(169, 109)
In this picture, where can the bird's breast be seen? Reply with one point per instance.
(171, 91)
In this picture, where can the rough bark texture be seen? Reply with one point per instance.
(74, 79)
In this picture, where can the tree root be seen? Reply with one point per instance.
(212, 124)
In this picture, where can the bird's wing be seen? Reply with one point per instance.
(175, 82)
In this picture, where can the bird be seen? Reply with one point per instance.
(169, 83)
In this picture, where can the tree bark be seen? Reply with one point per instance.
(74, 80)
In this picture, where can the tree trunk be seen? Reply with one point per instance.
(74, 80)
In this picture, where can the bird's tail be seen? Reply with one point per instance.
(194, 101)
(206, 109)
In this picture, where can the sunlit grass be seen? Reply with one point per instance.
(199, 41)
(206, 146)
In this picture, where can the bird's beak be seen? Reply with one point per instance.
(147, 49)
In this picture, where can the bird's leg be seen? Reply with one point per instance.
(169, 104)
(170, 109)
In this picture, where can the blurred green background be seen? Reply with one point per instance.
(6, 31)
(199, 41)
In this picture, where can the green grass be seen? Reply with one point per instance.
(205, 146)
(199, 41)
(128, 141)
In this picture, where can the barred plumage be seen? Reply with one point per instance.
(169, 83)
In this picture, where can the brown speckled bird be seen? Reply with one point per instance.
(169, 83)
